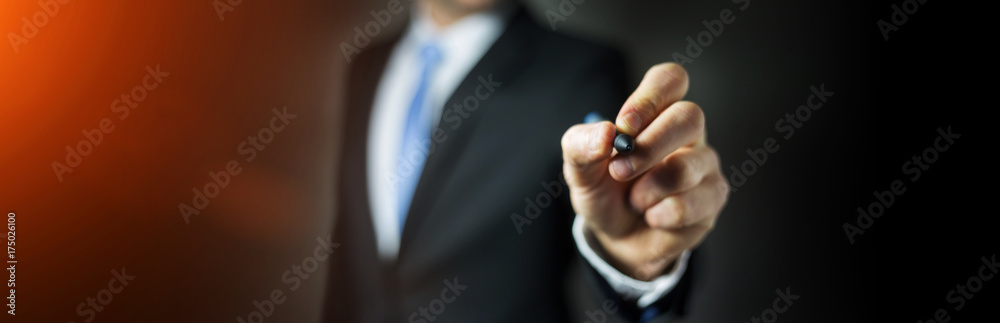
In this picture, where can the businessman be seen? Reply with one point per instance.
(471, 190)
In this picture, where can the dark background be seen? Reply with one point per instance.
(782, 228)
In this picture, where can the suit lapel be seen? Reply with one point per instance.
(361, 94)
(358, 267)
(504, 61)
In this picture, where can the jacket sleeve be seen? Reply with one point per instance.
(596, 289)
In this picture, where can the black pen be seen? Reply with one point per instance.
(623, 142)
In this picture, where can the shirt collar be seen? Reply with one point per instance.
(453, 37)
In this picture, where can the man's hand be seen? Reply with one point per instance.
(647, 207)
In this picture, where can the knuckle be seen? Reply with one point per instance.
(708, 226)
(680, 210)
(645, 106)
(723, 187)
(713, 157)
(681, 171)
(704, 228)
(669, 214)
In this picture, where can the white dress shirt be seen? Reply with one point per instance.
(462, 44)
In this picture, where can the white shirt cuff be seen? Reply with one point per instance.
(628, 287)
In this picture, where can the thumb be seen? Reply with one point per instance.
(586, 151)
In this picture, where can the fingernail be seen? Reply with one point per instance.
(595, 139)
(623, 167)
(633, 121)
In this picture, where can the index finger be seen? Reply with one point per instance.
(662, 85)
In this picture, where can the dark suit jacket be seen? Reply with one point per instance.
(499, 159)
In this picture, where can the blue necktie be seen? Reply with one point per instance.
(416, 136)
